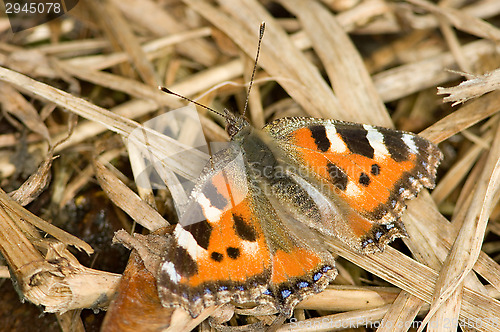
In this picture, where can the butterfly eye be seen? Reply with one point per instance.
(231, 129)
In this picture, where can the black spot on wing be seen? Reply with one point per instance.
(318, 132)
(216, 199)
(394, 143)
(201, 232)
(338, 176)
(184, 263)
(243, 230)
(356, 140)
(375, 170)
(216, 256)
(364, 179)
(233, 252)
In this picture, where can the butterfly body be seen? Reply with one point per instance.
(251, 229)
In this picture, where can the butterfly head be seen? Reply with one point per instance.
(234, 123)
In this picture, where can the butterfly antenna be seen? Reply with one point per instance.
(261, 35)
(164, 89)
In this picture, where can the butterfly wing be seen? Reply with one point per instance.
(365, 172)
(232, 245)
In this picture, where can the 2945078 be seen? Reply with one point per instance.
(33, 8)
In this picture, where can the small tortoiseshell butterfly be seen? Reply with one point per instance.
(250, 230)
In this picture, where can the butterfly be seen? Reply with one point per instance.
(250, 230)
(252, 227)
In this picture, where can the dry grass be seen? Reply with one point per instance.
(384, 60)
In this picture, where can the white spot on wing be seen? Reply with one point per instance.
(169, 269)
(188, 242)
(336, 143)
(249, 247)
(376, 140)
(212, 213)
(353, 190)
(408, 139)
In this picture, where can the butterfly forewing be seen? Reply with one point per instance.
(218, 252)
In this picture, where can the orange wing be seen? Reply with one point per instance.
(232, 245)
(368, 171)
